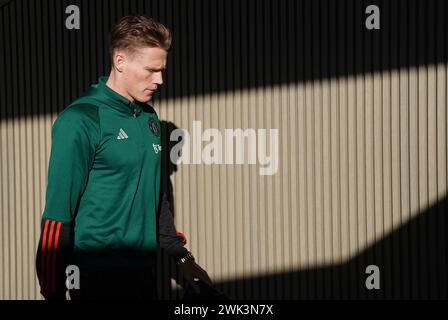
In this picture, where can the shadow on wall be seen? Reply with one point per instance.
(166, 268)
(219, 46)
(412, 261)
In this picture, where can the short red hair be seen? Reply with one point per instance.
(137, 31)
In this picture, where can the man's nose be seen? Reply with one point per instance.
(158, 78)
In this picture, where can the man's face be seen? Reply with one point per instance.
(142, 72)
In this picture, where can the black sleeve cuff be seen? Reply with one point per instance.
(168, 238)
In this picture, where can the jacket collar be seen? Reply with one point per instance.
(116, 100)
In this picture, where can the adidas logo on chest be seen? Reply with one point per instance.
(122, 135)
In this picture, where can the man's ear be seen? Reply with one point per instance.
(119, 60)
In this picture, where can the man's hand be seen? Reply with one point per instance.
(191, 271)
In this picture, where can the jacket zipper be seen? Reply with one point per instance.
(138, 125)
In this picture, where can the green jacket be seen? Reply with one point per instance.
(104, 175)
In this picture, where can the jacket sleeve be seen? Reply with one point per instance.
(75, 135)
(171, 240)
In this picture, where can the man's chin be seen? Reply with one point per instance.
(145, 99)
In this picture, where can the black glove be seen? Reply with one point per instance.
(207, 292)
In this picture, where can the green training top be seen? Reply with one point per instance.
(104, 176)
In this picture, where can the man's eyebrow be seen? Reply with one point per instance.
(156, 69)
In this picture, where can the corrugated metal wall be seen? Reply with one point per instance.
(362, 121)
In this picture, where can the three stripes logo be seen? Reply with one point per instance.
(122, 135)
(49, 252)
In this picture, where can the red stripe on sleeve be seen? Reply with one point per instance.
(49, 256)
(55, 250)
(42, 256)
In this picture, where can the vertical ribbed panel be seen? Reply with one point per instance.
(362, 123)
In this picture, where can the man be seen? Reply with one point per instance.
(104, 179)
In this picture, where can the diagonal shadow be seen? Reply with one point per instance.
(219, 46)
(412, 262)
